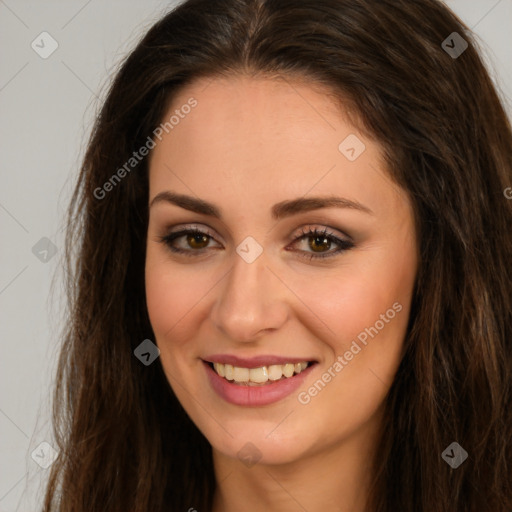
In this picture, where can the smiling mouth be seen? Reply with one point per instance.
(261, 376)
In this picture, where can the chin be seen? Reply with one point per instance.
(259, 442)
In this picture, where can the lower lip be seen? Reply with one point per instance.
(255, 395)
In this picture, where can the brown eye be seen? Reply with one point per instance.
(320, 241)
(197, 240)
(194, 241)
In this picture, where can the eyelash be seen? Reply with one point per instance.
(344, 245)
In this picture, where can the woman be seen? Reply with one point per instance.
(292, 288)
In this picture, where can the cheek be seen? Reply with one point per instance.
(161, 301)
(349, 303)
(367, 311)
(368, 303)
(170, 299)
(176, 297)
(170, 295)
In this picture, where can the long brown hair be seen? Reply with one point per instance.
(125, 442)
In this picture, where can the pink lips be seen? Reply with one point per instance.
(253, 396)
(253, 362)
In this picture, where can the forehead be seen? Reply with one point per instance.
(253, 136)
(264, 105)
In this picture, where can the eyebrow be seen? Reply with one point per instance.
(278, 211)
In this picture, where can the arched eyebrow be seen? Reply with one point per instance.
(279, 210)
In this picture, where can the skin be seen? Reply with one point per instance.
(248, 144)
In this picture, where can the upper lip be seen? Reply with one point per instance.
(254, 362)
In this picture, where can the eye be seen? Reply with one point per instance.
(319, 241)
(196, 239)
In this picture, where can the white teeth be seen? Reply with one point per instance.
(240, 374)
(275, 371)
(259, 375)
(219, 368)
(228, 372)
(288, 369)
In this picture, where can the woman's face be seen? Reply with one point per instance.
(256, 159)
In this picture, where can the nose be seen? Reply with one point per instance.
(251, 302)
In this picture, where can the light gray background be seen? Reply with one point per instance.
(46, 111)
